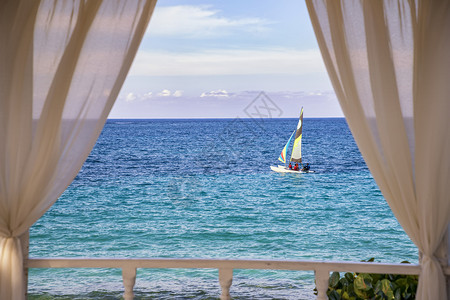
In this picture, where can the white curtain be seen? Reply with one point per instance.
(62, 64)
(389, 62)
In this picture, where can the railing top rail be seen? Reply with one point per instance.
(199, 263)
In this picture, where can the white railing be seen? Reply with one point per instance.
(225, 266)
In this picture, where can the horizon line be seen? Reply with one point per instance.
(220, 118)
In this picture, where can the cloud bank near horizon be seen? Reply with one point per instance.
(223, 104)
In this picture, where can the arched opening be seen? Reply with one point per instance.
(203, 188)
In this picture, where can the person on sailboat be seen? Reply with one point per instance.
(306, 167)
(290, 165)
(296, 167)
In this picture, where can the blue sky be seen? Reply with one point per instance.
(211, 59)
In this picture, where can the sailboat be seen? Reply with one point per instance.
(296, 155)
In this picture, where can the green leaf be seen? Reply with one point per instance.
(363, 282)
(349, 276)
(334, 279)
(361, 294)
(362, 285)
(402, 283)
(386, 287)
(334, 295)
(343, 283)
(345, 296)
(405, 262)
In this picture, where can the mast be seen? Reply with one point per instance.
(296, 155)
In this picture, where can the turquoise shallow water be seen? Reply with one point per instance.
(203, 189)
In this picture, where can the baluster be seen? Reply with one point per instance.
(322, 278)
(129, 279)
(225, 280)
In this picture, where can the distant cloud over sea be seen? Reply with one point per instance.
(221, 103)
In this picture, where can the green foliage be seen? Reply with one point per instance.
(359, 286)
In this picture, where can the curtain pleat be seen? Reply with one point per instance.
(389, 64)
(62, 64)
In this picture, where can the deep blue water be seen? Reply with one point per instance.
(204, 189)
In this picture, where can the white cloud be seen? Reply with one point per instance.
(228, 62)
(130, 97)
(189, 21)
(164, 93)
(136, 97)
(177, 93)
(218, 93)
(147, 95)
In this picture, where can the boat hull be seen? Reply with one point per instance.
(283, 169)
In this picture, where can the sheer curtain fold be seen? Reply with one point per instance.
(389, 65)
(62, 64)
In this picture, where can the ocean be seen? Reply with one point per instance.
(203, 188)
